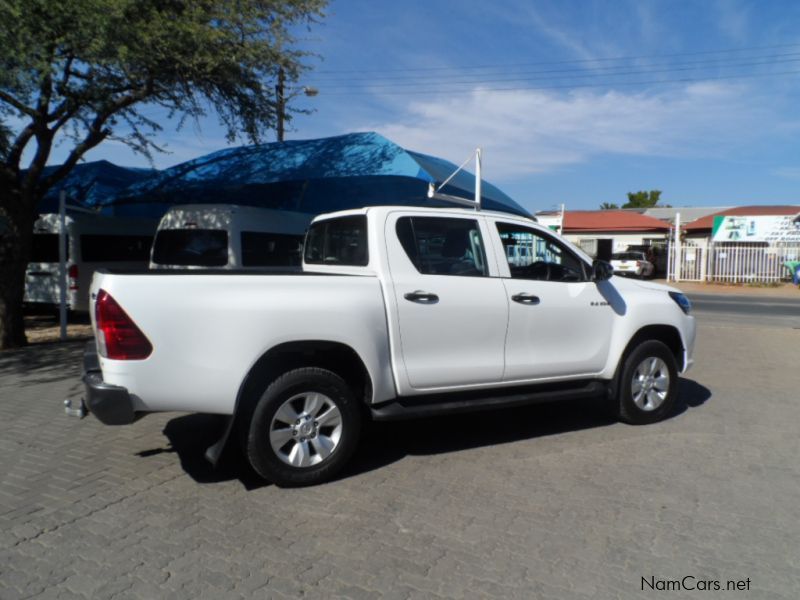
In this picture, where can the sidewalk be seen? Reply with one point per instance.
(783, 290)
(45, 329)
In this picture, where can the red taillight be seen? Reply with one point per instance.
(72, 275)
(118, 337)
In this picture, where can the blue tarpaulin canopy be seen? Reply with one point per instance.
(311, 176)
(91, 184)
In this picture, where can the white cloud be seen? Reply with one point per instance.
(532, 131)
(787, 172)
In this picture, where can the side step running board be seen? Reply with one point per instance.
(411, 407)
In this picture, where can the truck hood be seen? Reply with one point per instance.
(659, 287)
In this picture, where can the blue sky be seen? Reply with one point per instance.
(572, 101)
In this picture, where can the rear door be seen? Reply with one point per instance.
(451, 312)
(41, 277)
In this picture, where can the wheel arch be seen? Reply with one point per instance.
(336, 357)
(666, 334)
(669, 335)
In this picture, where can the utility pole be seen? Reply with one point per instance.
(280, 102)
(62, 264)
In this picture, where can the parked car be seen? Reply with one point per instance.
(632, 263)
(92, 242)
(400, 312)
(654, 253)
(227, 236)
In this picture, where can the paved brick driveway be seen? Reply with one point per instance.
(548, 502)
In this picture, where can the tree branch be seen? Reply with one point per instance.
(23, 108)
(15, 153)
(96, 134)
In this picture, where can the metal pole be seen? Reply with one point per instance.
(62, 262)
(670, 251)
(677, 264)
(478, 179)
(561, 231)
(280, 102)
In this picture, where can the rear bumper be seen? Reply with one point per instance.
(111, 404)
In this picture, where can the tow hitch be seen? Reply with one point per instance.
(74, 408)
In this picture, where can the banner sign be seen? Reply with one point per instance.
(760, 228)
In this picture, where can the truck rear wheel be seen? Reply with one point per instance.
(648, 385)
(304, 428)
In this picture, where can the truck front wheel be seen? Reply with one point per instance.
(304, 428)
(648, 384)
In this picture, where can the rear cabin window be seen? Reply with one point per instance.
(45, 248)
(271, 249)
(115, 248)
(341, 241)
(191, 247)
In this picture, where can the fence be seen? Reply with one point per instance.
(732, 263)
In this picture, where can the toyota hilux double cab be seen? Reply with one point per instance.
(399, 312)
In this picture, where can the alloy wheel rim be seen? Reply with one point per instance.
(306, 429)
(650, 384)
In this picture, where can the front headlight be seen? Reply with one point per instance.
(681, 301)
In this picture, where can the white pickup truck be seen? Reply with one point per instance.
(399, 312)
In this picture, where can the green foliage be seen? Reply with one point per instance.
(82, 71)
(608, 206)
(642, 199)
(88, 67)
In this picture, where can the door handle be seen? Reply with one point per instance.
(423, 297)
(525, 298)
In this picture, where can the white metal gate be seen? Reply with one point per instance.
(687, 263)
(732, 263)
(751, 263)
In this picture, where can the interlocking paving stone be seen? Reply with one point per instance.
(547, 502)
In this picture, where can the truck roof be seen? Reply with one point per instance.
(454, 210)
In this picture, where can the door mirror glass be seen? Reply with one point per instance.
(601, 270)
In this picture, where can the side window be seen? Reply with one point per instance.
(260, 249)
(341, 241)
(115, 248)
(533, 255)
(443, 246)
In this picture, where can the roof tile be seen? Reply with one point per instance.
(610, 220)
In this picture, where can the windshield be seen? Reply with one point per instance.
(628, 256)
(45, 247)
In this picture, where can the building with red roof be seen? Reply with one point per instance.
(600, 233)
(611, 221)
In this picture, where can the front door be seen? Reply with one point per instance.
(559, 322)
(451, 314)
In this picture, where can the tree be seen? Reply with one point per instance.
(608, 206)
(80, 72)
(642, 199)
(5, 134)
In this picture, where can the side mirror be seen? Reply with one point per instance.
(601, 270)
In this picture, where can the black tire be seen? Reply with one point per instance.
(267, 461)
(629, 410)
